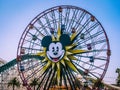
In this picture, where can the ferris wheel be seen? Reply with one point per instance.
(61, 45)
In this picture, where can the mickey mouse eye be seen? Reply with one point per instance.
(57, 48)
(53, 49)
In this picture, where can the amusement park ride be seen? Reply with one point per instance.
(64, 46)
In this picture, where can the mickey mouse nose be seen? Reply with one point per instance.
(55, 53)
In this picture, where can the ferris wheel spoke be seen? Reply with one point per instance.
(74, 68)
(68, 78)
(97, 68)
(103, 59)
(37, 70)
(28, 48)
(43, 77)
(85, 24)
(97, 74)
(80, 18)
(74, 16)
(94, 57)
(33, 27)
(47, 21)
(31, 67)
(47, 79)
(90, 64)
(51, 79)
(92, 27)
(72, 19)
(64, 77)
(85, 69)
(41, 34)
(71, 77)
(42, 80)
(89, 51)
(75, 81)
(90, 37)
(97, 34)
(93, 43)
(60, 10)
(82, 28)
(52, 15)
(66, 19)
(26, 41)
(98, 42)
(42, 25)
(94, 74)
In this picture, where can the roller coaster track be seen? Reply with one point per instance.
(14, 62)
(111, 86)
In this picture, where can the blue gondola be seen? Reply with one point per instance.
(22, 68)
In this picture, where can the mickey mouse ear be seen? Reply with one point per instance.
(46, 41)
(65, 39)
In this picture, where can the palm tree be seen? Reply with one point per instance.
(14, 82)
(78, 83)
(98, 83)
(34, 83)
(118, 77)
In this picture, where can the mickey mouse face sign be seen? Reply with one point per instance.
(55, 50)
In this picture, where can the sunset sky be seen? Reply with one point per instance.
(16, 14)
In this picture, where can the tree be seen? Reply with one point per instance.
(98, 84)
(77, 83)
(118, 77)
(14, 82)
(34, 83)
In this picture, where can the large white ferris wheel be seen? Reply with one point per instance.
(60, 44)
